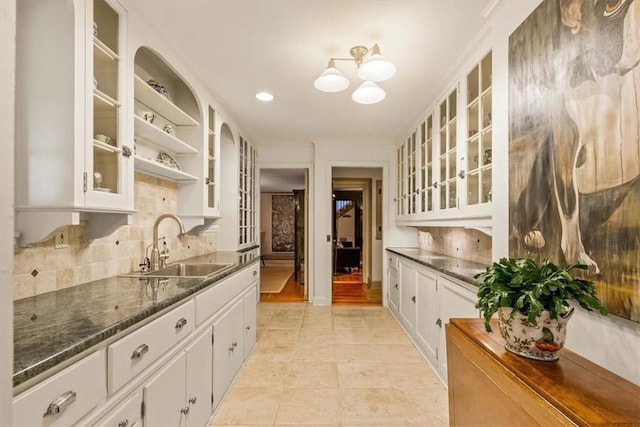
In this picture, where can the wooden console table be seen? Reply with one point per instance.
(489, 386)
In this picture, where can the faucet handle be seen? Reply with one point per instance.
(146, 265)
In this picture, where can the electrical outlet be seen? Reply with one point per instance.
(62, 238)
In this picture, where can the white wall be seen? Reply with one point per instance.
(7, 141)
(611, 342)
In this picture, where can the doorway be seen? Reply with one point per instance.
(283, 235)
(354, 281)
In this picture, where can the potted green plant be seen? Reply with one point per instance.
(532, 303)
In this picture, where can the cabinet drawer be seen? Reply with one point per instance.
(66, 397)
(213, 299)
(133, 353)
(127, 414)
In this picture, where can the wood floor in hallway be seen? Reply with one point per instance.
(348, 289)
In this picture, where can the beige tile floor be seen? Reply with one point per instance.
(333, 366)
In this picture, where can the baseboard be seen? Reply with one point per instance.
(376, 284)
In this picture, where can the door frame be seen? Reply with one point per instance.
(364, 185)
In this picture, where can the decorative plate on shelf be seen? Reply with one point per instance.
(168, 161)
(158, 87)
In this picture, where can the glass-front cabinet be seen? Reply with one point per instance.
(108, 148)
(247, 195)
(73, 152)
(426, 165)
(479, 136)
(446, 184)
(444, 167)
(212, 170)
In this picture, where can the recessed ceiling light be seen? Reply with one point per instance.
(264, 96)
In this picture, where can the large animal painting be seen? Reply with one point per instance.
(574, 151)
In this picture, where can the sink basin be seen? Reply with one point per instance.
(184, 270)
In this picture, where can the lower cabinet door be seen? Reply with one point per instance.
(164, 396)
(128, 414)
(250, 308)
(394, 290)
(427, 323)
(228, 353)
(199, 368)
(408, 295)
(455, 300)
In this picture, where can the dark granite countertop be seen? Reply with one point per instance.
(53, 327)
(455, 267)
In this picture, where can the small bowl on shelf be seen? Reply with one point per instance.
(158, 87)
(168, 161)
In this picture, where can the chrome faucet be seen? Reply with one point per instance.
(160, 259)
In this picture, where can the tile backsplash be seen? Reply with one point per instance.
(459, 242)
(42, 268)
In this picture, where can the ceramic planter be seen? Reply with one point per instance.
(540, 340)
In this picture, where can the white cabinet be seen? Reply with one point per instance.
(250, 319)
(455, 300)
(164, 395)
(393, 296)
(73, 152)
(444, 166)
(180, 394)
(127, 414)
(228, 349)
(66, 397)
(132, 354)
(408, 294)
(427, 323)
(238, 223)
(428, 299)
(199, 380)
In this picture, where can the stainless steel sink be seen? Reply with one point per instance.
(184, 270)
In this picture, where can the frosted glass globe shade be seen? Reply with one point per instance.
(331, 80)
(368, 93)
(376, 68)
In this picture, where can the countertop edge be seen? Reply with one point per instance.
(469, 280)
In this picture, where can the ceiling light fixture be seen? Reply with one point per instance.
(372, 67)
(264, 96)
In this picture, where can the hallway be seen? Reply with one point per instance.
(333, 366)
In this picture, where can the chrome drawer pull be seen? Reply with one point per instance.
(249, 328)
(185, 410)
(140, 351)
(61, 403)
(255, 272)
(193, 400)
(181, 323)
(123, 423)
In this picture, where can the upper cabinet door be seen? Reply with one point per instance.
(247, 195)
(479, 136)
(446, 183)
(109, 150)
(71, 158)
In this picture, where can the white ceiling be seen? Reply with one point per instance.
(240, 47)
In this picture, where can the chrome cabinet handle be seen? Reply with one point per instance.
(396, 286)
(233, 346)
(413, 298)
(185, 410)
(439, 322)
(248, 328)
(61, 403)
(193, 400)
(255, 272)
(180, 323)
(140, 351)
(123, 423)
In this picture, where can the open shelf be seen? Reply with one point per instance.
(161, 104)
(104, 50)
(106, 147)
(161, 138)
(156, 168)
(103, 102)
